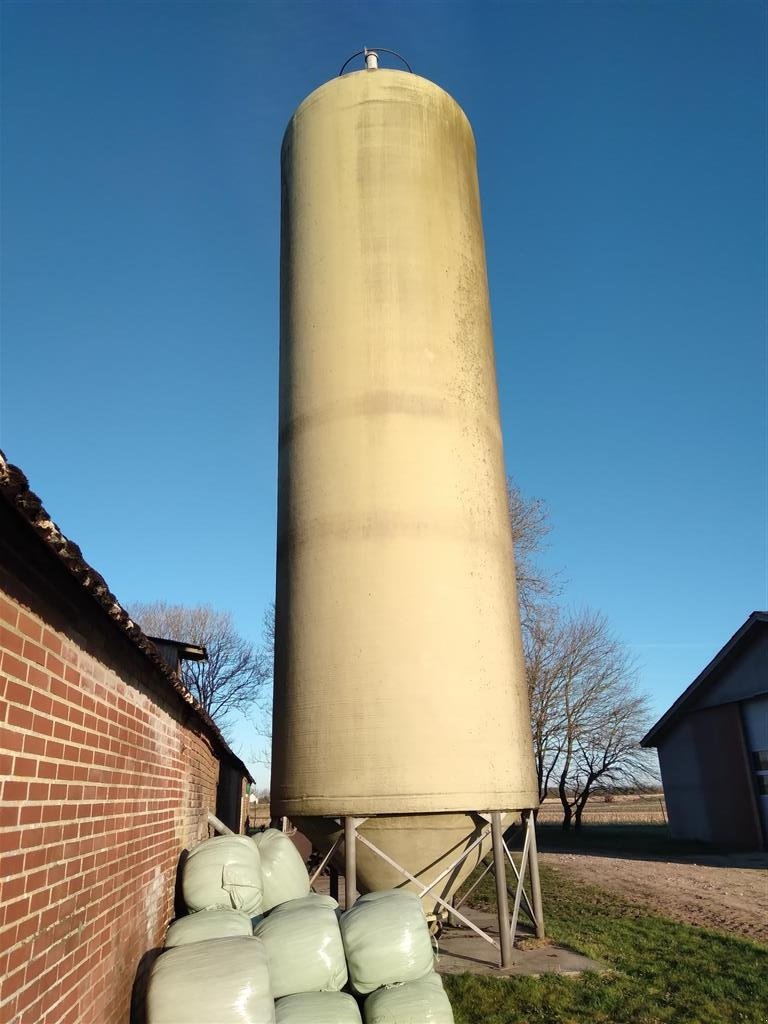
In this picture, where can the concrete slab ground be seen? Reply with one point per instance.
(461, 949)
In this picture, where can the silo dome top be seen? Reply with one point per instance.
(355, 89)
(371, 57)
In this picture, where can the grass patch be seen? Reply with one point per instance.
(661, 972)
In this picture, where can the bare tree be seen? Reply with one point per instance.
(544, 642)
(544, 648)
(268, 655)
(233, 679)
(529, 519)
(268, 634)
(609, 751)
(601, 714)
(586, 714)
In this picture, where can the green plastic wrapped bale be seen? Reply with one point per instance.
(304, 948)
(386, 940)
(208, 924)
(317, 1008)
(314, 899)
(284, 874)
(220, 981)
(416, 1002)
(223, 873)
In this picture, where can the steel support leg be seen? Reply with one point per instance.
(538, 910)
(520, 882)
(350, 862)
(505, 933)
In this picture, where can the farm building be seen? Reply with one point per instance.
(713, 746)
(109, 771)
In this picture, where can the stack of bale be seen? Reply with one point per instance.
(390, 960)
(214, 968)
(257, 947)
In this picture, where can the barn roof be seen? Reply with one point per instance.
(742, 636)
(15, 490)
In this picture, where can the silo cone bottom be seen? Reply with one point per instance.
(424, 844)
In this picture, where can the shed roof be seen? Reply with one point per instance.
(15, 490)
(742, 636)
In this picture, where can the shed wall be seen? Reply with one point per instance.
(727, 790)
(104, 788)
(707, 780)
(681, 775)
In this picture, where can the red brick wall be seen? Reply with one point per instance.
(87, 888)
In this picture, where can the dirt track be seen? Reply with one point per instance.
(729, 894)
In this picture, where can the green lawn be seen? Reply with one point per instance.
(660, 971)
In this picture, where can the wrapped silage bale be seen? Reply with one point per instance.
(313, 899)
(386, 940)
(208, 924)
(283, 872)
(416, 1002)
(317, 1008)
(223, 873)
(304, 948)
(220, 981)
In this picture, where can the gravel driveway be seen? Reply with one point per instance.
(728, 893)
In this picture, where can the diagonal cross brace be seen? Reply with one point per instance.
(425, 889)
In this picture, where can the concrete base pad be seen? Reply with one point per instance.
(461, 950)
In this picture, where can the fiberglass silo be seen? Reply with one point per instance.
(399, 676)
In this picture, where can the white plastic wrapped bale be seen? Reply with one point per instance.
(416, 1002)
(304, 948)
(386, 940)
(223, 873)
(225, 981)
(317, 1008)
(208, 924)
(284, 874)
(314, 899)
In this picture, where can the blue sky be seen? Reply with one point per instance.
(623, 177)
